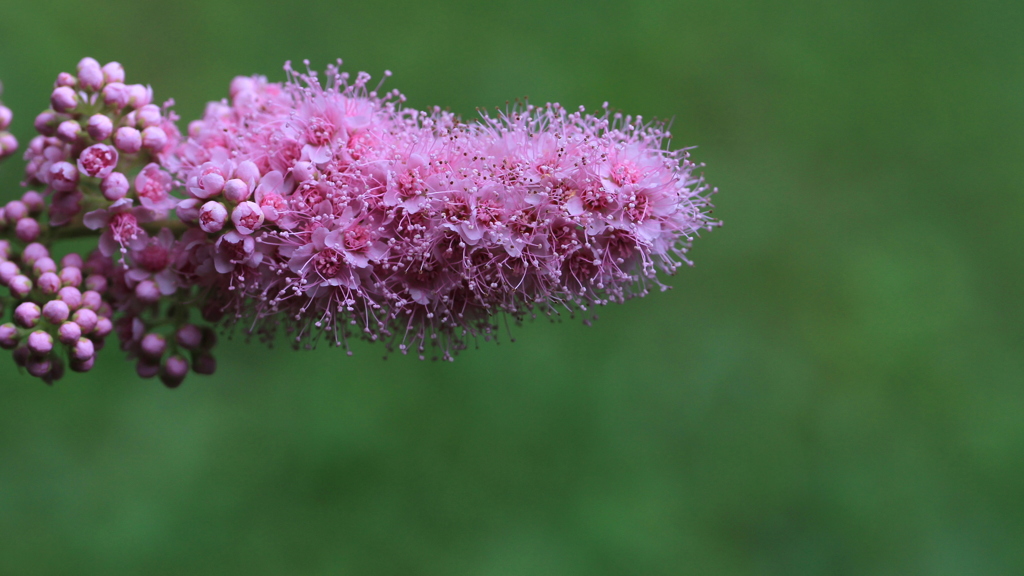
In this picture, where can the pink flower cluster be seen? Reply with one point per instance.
(323, 208)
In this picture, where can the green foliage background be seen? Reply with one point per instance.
(836, 388)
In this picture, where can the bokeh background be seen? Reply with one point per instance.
(837, 387)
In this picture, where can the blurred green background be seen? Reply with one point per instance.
(836, 388)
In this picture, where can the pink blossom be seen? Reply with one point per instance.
(97, 161)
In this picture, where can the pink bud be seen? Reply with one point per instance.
(236, 190)
(154, 138)
(8, 270)
(83, 366)
(40, 343)
(5, 248)
(190, 337)
(248, 172)
(147, 291)
(82, 350)
(16, 210)
(63, 176)
(247, 217)
(20, 286)
(43, 265)
(100, 127)
(27, 230)
(39, 367)
(88, 61)
(113, 72)
(96, 283)
(65, 79)
(148, 115)
(139, 95)
(34, 201)
(303, 171)
(174, 372)
(70, 296)
(46, 123)
(240, 84)
(98, 160)
(86, 319)
(116, 95)
(128, 140)
(64, 99)
(91, 300)
(103, 327)
(34, 252)
(212, 217)
(152, 346)
(115, 186)
(49, 283)
(146, 370)
(27, 314)
(5, 117)
(56, 312)
(69, 131)
(71, 276)
(8, 144)
(72, 260)
(90, 76)
(188, 210)
(69, 333)
(8, 336)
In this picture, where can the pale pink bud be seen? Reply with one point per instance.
(128, 140)
(248, 172)
(5, 247)
(72, 260)
(236, 190)
(154, 138)
(64, 99)
(83, 366)
(63, 176)
(70, 296)
(90, 76)
(86, 62)
(34, 252)
(49, 283)
(86, 319)
(96, 283)
(100, 127)
(241, 84)
(71, 276)
(8, 336)
(139, 95)
(40, 343)
(20, 286)
(56, 312)
(46, 123)
(212, 217)
(116, 95)
(247, 217)
(148, 115)
(8, 144)
(69, 333)
(5, 117)
(174, 372)
(147, 291)
(16, 210)
(34, 201)
(69, 131)
(8, 270)
(91, 300)
(152, 346)
(27, 230)
(43, 265)
(113, 72)
(98, 160)
(189, 337)
(115, 186)
(27, 314)
(103, 326)
(65, 79)
(82, 350)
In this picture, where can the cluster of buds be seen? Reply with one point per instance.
(324, 209)
(8, 143)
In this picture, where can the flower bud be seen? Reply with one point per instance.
(90, 76)
(27, 230)
(72, 260)
(100, 127)
(96, 283)
(82, 350)
(5, 117)
(212, 217)
(5, 248)
(128, 140)
(69, 131)
(83, 366)
(46, 123)
(113, 72)
(247, 217)
(248, 172)
(70, 296)
(98, 161)
(86, 319)
(147, 291)
(69, 333)
(39, 367)
(91, 300)
(116, 95)
(63, 176)
(49, 283)
(8, 270)
(56, 312)
(34, 252)
(40, 343)
(139, 95)
(8, 336)
(148, 115)
(103, 327)
(43, 265)
(20, 286)
(15, 210)
(27, 314)
(8, 144)
(115, 186)
(34, 201)
(71, 276)
(236, 190)
(189, 337)
(64, 99)
(146, 369)
(154, 138)
(204, 363)
(174, 371)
